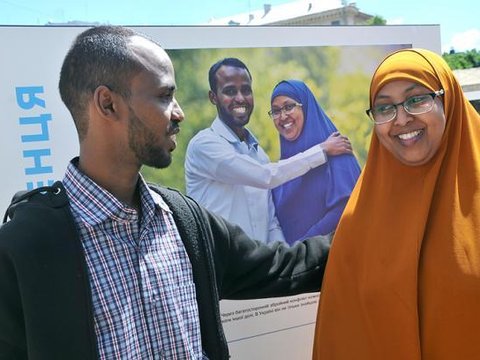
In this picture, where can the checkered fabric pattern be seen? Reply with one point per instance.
(141, 278)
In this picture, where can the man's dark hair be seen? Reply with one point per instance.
(212, 79)
(98, 56)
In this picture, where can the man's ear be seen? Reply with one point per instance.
(104, 101)
(213, 97)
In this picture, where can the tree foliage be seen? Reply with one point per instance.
(376, 20)
(462, 60)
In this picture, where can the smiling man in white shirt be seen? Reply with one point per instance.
(226, 169)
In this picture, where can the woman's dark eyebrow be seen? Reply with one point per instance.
(380, 96)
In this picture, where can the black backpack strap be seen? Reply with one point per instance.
(24, 195)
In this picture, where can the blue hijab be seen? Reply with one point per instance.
(313, 203)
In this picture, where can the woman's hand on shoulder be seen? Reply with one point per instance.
(337, 144)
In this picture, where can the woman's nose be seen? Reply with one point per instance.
(402, 117)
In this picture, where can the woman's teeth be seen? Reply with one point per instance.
(409, 135)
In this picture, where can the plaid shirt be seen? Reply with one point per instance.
(141, 278)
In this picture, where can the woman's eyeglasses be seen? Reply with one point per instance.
(414, 105)
(287, 109)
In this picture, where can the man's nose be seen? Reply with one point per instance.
(239, 96)
(177, 113)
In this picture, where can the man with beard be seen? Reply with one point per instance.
(102, 265)
(226, 169)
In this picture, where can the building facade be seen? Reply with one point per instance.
(299, 13)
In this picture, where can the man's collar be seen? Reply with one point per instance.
(220, 128)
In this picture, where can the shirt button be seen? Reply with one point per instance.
(155, 296)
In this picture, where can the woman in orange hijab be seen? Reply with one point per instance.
(403, 275)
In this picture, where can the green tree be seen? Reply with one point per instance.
(462, 60)
(376, 20)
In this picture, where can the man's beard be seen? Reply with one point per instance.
(228, 118)
(143, 143)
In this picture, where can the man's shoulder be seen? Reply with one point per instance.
(164, 190)
(182, 206)
(173, 197)
(203, 135)
(33, 213)
(206, 140)
(53, 196)
(217, 131)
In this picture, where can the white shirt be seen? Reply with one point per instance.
(233, 178)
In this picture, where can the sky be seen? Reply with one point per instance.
(459, 20)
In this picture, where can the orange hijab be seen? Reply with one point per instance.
(403, 276)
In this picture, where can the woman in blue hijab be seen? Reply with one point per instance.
(313, 203)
